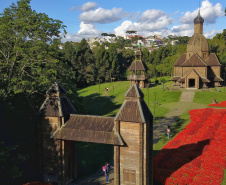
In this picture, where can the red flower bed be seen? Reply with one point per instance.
(197, 155)
(221, 104)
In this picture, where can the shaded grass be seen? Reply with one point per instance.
(176, 128)
(92, 156)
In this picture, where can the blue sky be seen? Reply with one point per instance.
(86, 19)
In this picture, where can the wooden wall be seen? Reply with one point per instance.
(133, 162)
(50, 149)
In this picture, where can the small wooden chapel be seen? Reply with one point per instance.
(198, 68)
(130, 131)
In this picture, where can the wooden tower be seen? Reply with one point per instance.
(53, 114)
(134, 122)
(131, 133)
(138, 71)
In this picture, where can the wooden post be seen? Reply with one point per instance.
(117, 158)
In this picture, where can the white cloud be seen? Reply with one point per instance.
(208, 11)
(88, 30)
(211, 33)
(182, 30)
(101, 16)
(151, 21)
(88, 6)
(151, 15)
(125, 26)
(69, 37)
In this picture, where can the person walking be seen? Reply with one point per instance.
(107, 170)
(168, 131)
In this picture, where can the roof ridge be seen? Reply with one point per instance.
(83, 115)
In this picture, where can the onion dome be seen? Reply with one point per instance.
(199, 19)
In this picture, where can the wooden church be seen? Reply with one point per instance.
(138, 71)
(198, 68)
(130, 132)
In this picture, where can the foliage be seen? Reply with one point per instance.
(10, 160)
(27, 49)
(30, 61)
(218, 45)
(131, 32)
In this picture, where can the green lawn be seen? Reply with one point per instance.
(97, 101)
(206, 96)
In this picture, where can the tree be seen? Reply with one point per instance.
(104, 34)
(9, 163)
(27, 43)
(131, 32)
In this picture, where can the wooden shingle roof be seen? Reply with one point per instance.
(97, 129)
(56, 102)
(213, 60)
(56, 88)
(138, 65)
(194, 61)
(134, 108)
(180, 60)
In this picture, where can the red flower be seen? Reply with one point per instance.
(197, 154)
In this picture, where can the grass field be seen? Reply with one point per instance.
(96, 101)
(206, 96)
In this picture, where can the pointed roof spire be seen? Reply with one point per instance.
(56, 102)
(134, 109)
(198, 19)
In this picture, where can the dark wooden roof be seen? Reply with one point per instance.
(56, 106)
(218, 79)
(213, 60)
(134, 92)
(205, 80)
(180, 60)
(66, 106)
(198, 19)
(134, 108)
(182, 79)
(96, 129)
(194, 61)
(56, 88)
(175, 78)
(138, 65)
(56, 102)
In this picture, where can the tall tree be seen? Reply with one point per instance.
(27, 39)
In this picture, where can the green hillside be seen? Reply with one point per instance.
(108, 102)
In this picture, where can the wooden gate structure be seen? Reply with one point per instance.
(130, 131)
